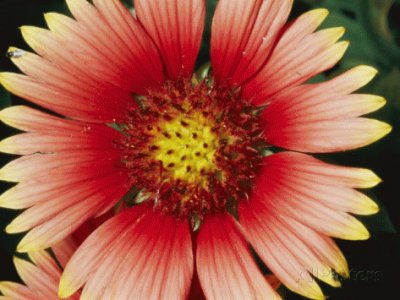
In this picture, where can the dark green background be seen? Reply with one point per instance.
(373, 28)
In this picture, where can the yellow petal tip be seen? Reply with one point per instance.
(366, 73)
(10, 229)
(22, 249)
(7, 80)
(3, 285)
(49, 17)
(370, 179)
(17, 260)
(27, 246)
(376, 102)
(362, 234)
(381, 130)
(369, 207)
(320, 14)
(3, 76)
(369, 70)
(381, 100)
(338, 31)
(25, 29)
(64, 289)
(344, 44)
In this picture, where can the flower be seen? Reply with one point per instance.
(42, 275)
(184, 160)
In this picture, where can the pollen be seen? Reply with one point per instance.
(192, 149)
(186, 147)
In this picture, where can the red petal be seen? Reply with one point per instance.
(176, 26)
(240, 48)
(133, 57)
(161, 248)
(299, 55)
(91, 253)
(306, 189)
(224, 263)
(287, 257)
(150, 258)
(324, 117)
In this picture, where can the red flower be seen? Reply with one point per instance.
(187, 155)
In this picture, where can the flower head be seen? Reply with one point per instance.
(182, 159)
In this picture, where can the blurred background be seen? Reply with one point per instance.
(373, 28)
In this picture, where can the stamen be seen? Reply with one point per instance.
(194, 148)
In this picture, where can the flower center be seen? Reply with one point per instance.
(192, 149)
(186, 146)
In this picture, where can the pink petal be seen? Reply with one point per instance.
(12, 291)
(224, 263)
(64, 250)
(176, 27)
(287, 257)
(93, 250)
(306, 189)
(65, 102)
(97, 191)
(239, 49)
(56, 164)
(325, 136)
(45, 188)
(43, 260)
(161, 248)
(132, 52)
(56, 225)
(150, 258)
(299, 55)
(323, 117)
(36, 279)
(135, 38)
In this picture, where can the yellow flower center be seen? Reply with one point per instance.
(192, 148)
(186, 146)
